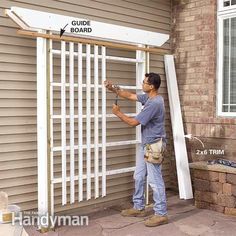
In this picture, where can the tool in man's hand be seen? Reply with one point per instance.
(116, 87)
(116, 101)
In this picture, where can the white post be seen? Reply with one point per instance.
(63, 120)
(42, 138)
(72, 142)
(147, 71)
(51, 127)
(140, 71)
(88, 120)
(103, 123)
(96, 128)
(80, 122)
(183, 173)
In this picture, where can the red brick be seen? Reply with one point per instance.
(216, 187)
(200, 174)
(202, 205)
(225, 200)
(222, 177)
(231, 178)
(189, 38)
(205, 197)
(217, 208)
(227, 189)
(213, 176)
(233, 188)
(207, 175)
(230, 211)
(191, 5)
(201, 185)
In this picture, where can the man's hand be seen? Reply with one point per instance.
(115, 109)
(108, 84)
(128, 120)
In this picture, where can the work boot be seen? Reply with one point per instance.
(156, 220)
(133, 212)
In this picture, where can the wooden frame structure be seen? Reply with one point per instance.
(46, 28)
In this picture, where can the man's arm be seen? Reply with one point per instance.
(128, 120)
(127, 95)
(119, 92)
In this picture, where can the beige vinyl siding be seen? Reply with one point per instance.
(18, 144)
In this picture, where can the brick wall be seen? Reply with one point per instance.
(215, 191)
(194, 36)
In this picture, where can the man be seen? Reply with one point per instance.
(152, 120)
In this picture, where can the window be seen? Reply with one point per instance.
(226, 96)
(226, 4)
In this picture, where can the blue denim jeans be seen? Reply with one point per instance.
(155, 180)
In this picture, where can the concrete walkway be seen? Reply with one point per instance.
(184, 219)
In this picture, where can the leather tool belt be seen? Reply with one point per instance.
(154, 153)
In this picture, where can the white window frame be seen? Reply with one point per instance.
(221, 7)
(223, 13)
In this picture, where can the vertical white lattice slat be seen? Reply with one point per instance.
(88, 119)
(80, 122)
(72, 141)
(103, 123)
(63, 121)
(96, 128)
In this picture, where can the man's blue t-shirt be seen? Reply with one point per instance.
(152, 118)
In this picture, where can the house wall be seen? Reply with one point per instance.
(18, 153)
(194, 44)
